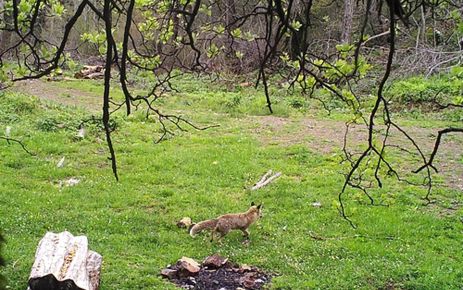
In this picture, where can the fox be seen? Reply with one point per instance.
(225, 223)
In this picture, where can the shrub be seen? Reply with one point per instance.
(233, 102)
(421, 92)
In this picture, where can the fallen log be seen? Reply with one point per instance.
(63, 261)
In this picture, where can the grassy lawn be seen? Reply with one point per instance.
(203, 174)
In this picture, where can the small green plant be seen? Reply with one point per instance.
(296, 102)
(427, 93)
(48, 124)
(14, 106)
(234, 101)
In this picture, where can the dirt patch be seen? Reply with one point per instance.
(48, 91)
(214, 273)
(324, 136)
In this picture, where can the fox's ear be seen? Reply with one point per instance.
(252, 204)
(259, 206)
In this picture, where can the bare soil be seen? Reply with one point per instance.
(50, 91)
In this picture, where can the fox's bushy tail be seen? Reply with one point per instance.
(207, 224)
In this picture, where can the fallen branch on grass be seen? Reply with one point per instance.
(8, 140)
(266, 179)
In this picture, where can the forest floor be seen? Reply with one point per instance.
(301, 239)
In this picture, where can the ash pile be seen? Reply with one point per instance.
(215, 273)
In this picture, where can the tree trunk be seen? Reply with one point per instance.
(299, 38)
(5, 36)
(347, 21)
(423, 25)
(63, 261)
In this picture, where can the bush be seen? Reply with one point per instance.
(233, 102)
(48, 124)
(296, 102)
(421, 92)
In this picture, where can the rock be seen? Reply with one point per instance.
(184, 222)
(169, 273)
(188, 265)
(249, 281)
(244, 268)
(215, 261)
(316, 204)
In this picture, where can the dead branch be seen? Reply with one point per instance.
(436, 148)
(266, 179)
(19, 142)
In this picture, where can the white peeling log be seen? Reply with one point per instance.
(63, 260)
(266, 179)
(266, 175)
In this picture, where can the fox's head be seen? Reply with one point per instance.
(256, 208)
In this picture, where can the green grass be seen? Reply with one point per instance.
(202, 174)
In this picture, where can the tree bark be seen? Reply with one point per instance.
(299, 38)
(5, 36)
(347, 21)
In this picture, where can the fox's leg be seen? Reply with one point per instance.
(221, 235)
(245, 233)
(222, 231)
(212, 235)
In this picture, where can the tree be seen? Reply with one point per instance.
(274, 32)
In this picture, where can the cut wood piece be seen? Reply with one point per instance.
(90, 72)
(63, 261)
(94, 76)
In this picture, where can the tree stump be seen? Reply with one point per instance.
(63, 261)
